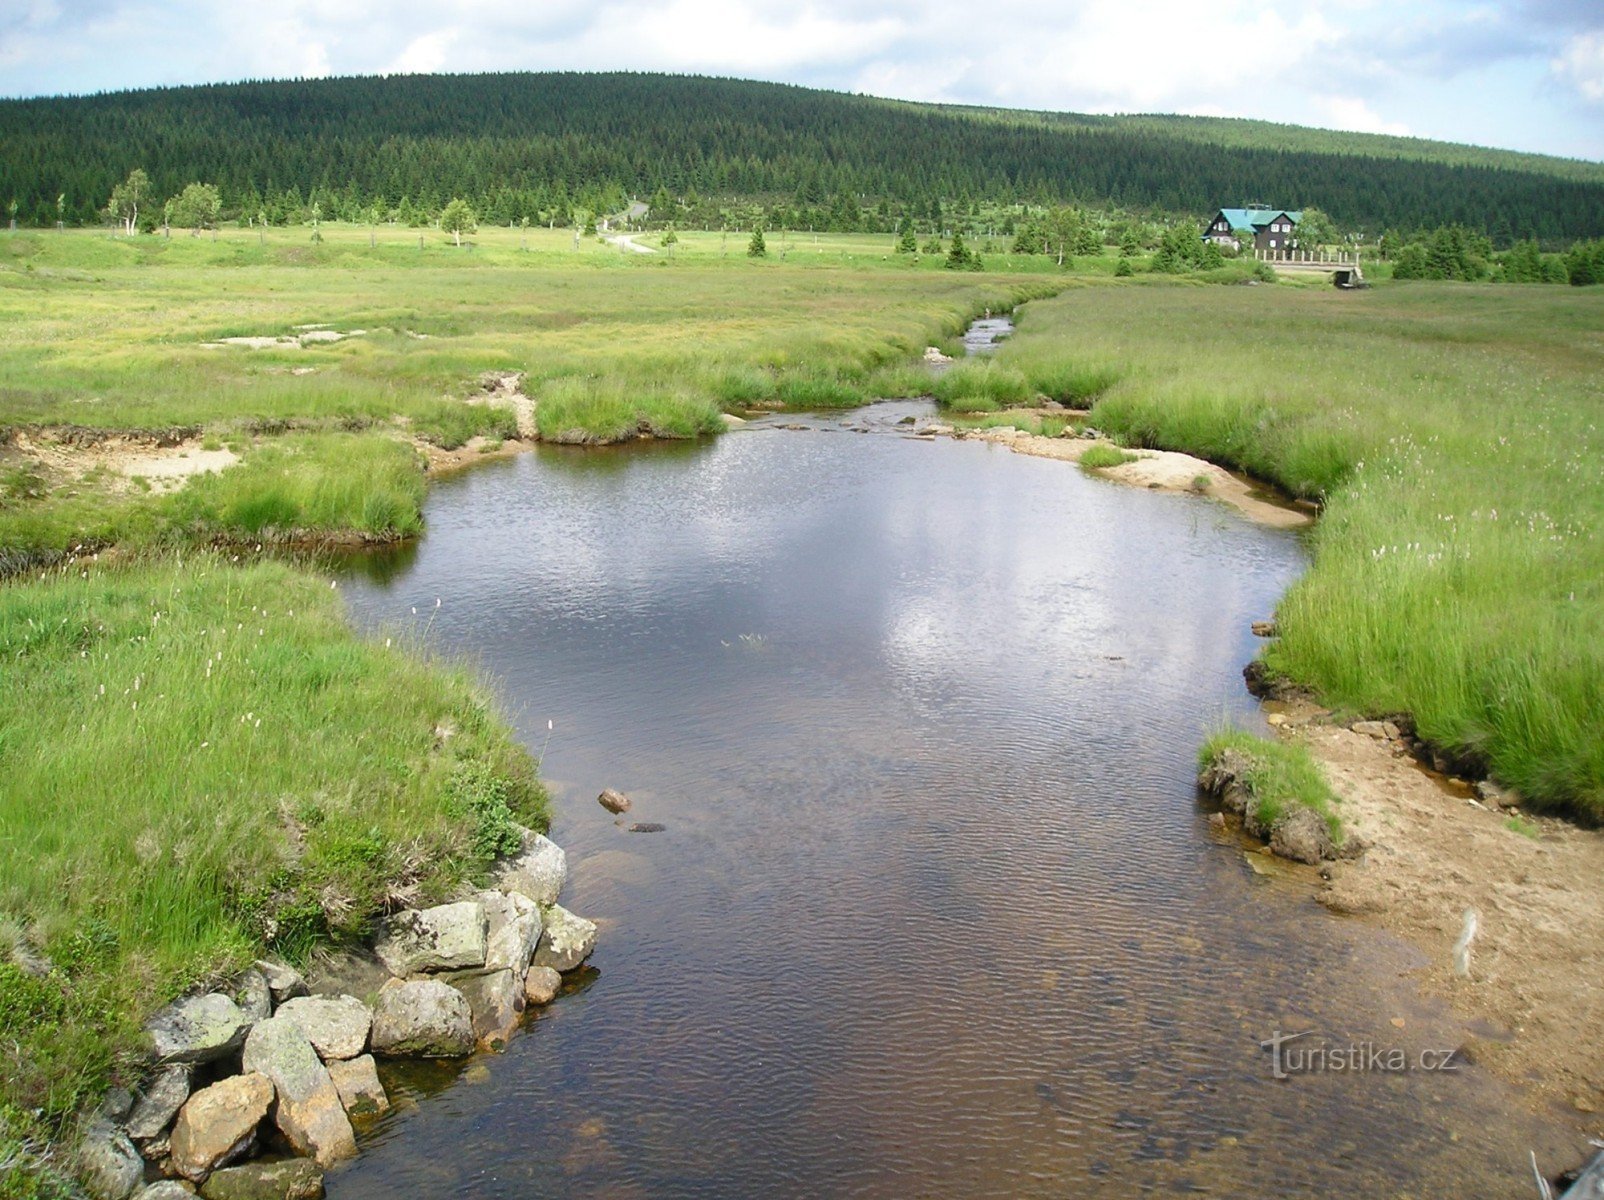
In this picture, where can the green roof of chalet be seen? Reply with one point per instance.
(1256, 218)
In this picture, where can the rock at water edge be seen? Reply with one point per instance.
(538, 871)
(197, 1029)
(1302, 835)
(541, 985)
(448, 937)
(285, 983)
(110, 1166)
(337, 1026)
(496, 999)
(218, 1124)
(357, 1081)
(308, 1110)
(291, 1179)
(514, 930)
(422, 1018)
(567, 940)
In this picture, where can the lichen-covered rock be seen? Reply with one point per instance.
(164, 1095)
(254, 996)
(537, 871)
(167, 1189)
(421, 1018)
(513, 923)
(337, 1026)
(567, 940)
(285, 983)
(308, 1109)
(1302, 835)
(448, 937)
(357, 1081)
(291, 1179)
(218, 1124)
(197, 1029)
(108, 1163)
(541, 985)
(496, 999)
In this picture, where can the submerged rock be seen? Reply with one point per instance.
(308, 1111)
(110, 1166)
(422, 1018)
(357, 1081)
(567, 941)
(290, 1179)
(448, 937)
(337, 1026)
(537, 871)
(218, 1124)
(197, 1029)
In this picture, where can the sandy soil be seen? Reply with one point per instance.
(165, 468)
(1161, 470)
(1535, 988)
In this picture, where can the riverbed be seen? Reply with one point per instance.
(935, 908)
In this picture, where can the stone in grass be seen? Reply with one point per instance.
(448, 937)
(218, 1124)
(541, 985)
(164, 1095)
(254, 996)
(567, 940)
(1302, 835)
(285, 983)
(422, 1018)
(337, 1026)
(289, 1179)
(514, 926)
(537, 871)
(496, 999)
(357, 1081)
(308, 1111)
(108, 1163)
(197, 1029)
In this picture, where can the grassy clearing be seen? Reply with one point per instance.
(1451, 432)
(225, 770)
(1282, 776)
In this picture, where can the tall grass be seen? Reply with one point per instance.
(589, 411)
(1451, 433)
(203, 763)
(982, 385)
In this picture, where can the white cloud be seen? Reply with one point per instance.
(1582, 65)
(425, 55)
(1353, 113)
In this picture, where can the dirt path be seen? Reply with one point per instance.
(161, 468)
(626, 242)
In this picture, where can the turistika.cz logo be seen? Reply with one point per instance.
(1289, 1057)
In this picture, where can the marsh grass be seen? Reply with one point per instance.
(1281, 776)
(226, 770)
(1102, 455)
(1451, 433)
(983, 385)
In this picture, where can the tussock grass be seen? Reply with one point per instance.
(1451, 432)
(1101, 456)
(203, 763)
(982, 386)
(1282, 776)
(588, 412)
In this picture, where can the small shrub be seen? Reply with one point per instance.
(477, 791)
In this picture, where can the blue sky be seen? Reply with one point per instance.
(1523, 74)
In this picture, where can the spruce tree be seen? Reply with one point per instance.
(756, 248)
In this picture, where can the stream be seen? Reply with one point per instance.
(936, 909)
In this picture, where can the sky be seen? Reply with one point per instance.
(1520, 74)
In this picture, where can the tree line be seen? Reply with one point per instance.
(541, 147)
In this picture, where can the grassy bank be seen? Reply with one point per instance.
(1451, 432)
(203, 764)
(1279, 777)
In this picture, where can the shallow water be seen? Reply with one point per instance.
(936, 910)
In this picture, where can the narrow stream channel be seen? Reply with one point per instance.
(935, 910)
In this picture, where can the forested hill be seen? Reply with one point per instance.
(529, 144)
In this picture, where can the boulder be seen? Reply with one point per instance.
(496, 1000)
(290, 1179)
(254, 997)
(197, 1029)
(218, 1124)
(615, 801)
(541, 985)
(357, 1081)
(447, 937)
(422, 1018)
(167, 1189)
(513, 922)
(285, 983)
(164, 1095)
(308, 1110)
(1301, 835)
(537, 871)
(567, 940)
(337, 1026)
(1375, 729)
(108, 1163)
